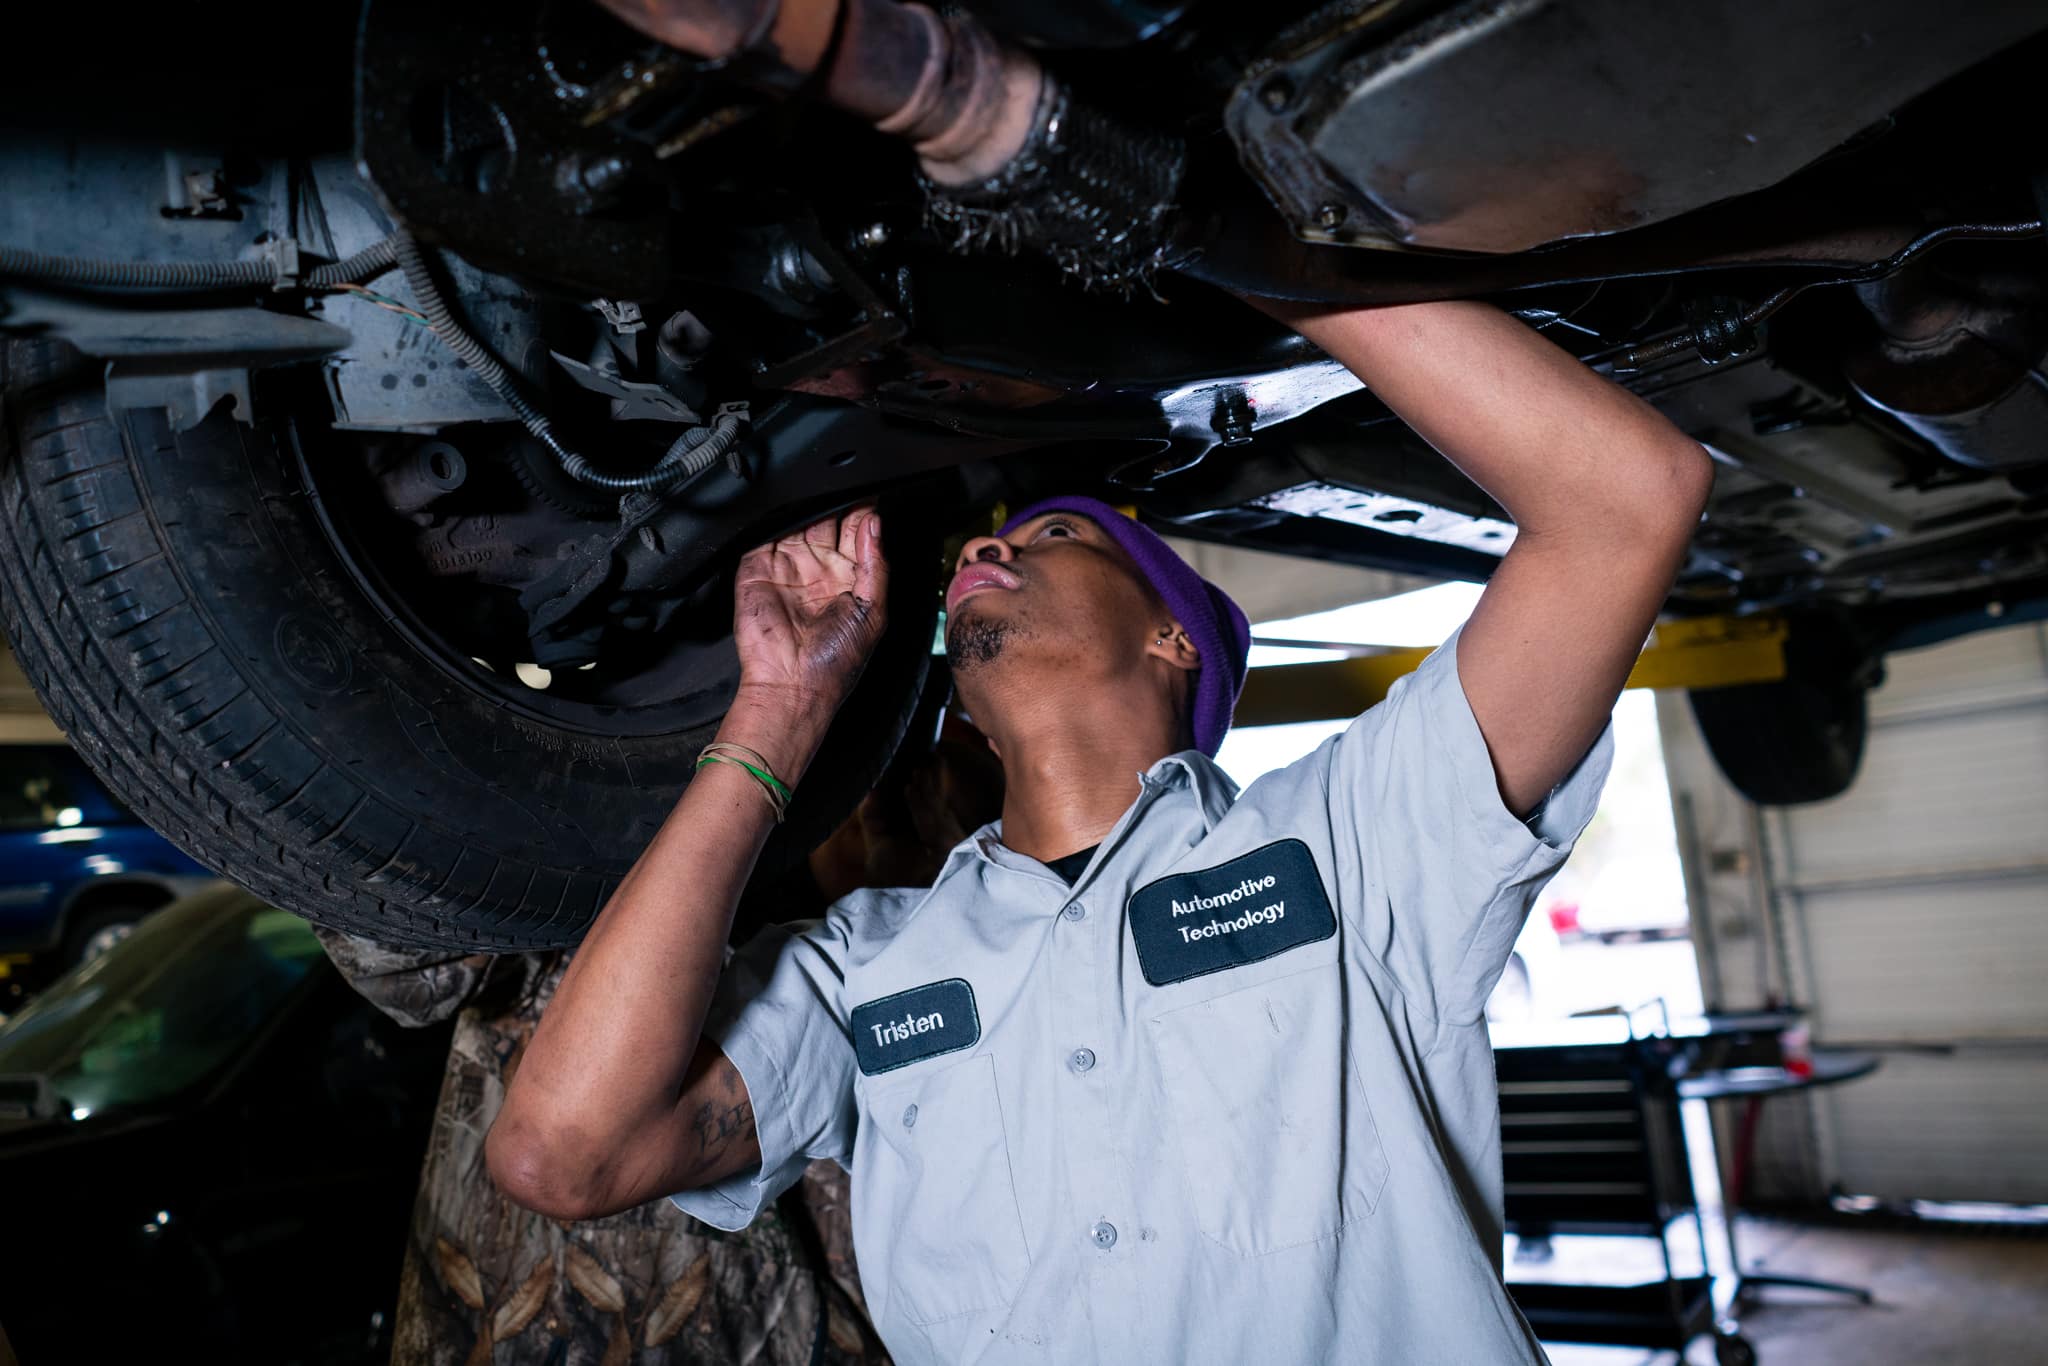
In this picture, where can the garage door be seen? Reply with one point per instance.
(21, 714)
(1918, 911)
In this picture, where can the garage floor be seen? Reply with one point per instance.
(1941, 1297)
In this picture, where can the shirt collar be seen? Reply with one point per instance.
(1214, 791)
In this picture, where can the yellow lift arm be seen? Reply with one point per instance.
(1704, 652)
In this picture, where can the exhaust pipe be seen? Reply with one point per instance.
(1010, 159)
(965, 101)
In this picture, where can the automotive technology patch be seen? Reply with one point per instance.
(1265, 902)
(913, 1025)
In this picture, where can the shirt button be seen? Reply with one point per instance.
(1075, 910)
(1081, 1059)
(1104, 1234)
(909, 1116)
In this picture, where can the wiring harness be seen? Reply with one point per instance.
(276, 268)
(692, 454)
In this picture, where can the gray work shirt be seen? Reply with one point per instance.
(1228, 1098)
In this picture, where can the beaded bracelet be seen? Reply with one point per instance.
(771, 787)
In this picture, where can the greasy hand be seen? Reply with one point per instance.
(809, 608)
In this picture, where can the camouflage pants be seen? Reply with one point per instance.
(488, 1281)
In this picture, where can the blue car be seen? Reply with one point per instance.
(77, 869)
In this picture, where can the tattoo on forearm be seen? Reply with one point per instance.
(717, 1124)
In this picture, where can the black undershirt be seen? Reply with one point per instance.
(1072, 865)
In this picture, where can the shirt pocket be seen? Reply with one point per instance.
(1269, 1113)
(941, 1172)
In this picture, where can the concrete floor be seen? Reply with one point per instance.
(1954, 1298)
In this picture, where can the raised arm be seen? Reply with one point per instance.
(1604, 493)
(618, 1099)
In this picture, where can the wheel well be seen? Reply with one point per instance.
(106, 893)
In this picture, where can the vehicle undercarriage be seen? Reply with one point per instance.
(388, 416)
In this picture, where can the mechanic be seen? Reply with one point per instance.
(1154, 1072)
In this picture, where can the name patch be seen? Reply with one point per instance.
(1265, 902)
(913, 1025)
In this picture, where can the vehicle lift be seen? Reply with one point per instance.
(1700, 652)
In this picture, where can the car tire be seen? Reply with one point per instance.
(1800, 738)
(197, 634)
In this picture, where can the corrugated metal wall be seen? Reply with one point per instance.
(1910, 914)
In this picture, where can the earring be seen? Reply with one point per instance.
(1160, 641)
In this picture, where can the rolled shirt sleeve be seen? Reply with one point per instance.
(780, 1015)
(1446, 874)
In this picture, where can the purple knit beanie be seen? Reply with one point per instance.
(1213, 622)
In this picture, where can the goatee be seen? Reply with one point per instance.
(974, 641)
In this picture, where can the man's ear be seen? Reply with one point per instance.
(1171, 644)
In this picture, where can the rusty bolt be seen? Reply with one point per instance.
(1331, 216)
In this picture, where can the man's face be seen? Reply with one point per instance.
(1056, 595)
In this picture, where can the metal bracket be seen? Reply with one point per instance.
(624, 315)
(184, 360)
(631, 399)
(186, 396)
(1380, 510)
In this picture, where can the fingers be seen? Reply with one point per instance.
(823, 533)
(758, 563)
(870, 570)
(833, 545)
(822, 536)
(851, 528)
(768, 564)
